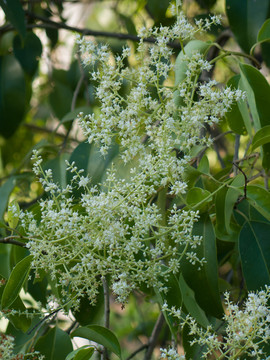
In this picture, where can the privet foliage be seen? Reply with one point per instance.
(155, 227)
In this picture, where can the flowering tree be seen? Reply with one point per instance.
(145, 212)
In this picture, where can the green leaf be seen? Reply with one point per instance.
(60, 98)
(254, 249)
(58, 167)
(234, 116)
(70, 116)
(87, 313)
(261, 137)
(194, 351)
(245, 19)
(197, 195)
(191, 304)
(16, 281)
(27, 52)
(100, 335)
(173, 297)
(54, 345)
(258, 94)
(83, 353)
(226, 198)
(15, 14)
(87, 157)
(5, 191)
(181, 64)
(20, 321)
(260, 199)
(12, 91)
(203, 279)
(157, 9)
(263, 34)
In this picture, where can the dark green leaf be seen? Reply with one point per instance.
(194, 351)
(261, 137)
(206, 4)
(245, 18)
(234, 115)
(15, 14)
(173, 297)
(5, 191)
(254, 249)
(226, 198)
(5, 260)
(19, 320)
(260, 199)
(203, 279)
(60, 99)
(15, 282)
(100, 335)
(87, 157)
(28, 52)
(258, 94)
(54, 345)
(12, 91)
(88, 314)
(191, 304)
(58, 167)
(157, 9)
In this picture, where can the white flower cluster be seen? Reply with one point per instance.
(170, 354)
(247, 329)
(122, 230)
(7, 346)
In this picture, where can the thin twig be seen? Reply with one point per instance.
(106, 312)
(12, 240)
(236, 153)
(47, 23)
(154, 337)
(141, 348)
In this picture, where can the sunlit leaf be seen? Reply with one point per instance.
(100, 335)
(16, 280)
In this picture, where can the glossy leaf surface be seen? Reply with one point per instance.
(254, 249)
(100, 335)
(16, 281)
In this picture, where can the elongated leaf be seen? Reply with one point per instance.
(15, 282)
(234, 116)
(181, 65)
(5, 191)
(246, 18)
(100, 335)
(54, 345)
(12, 91)
(173, 297)
(258, 94)
(191, 304)
(260, 199)
(226, 198)
(203, 279)
(197, 195)
(261, 137)
(83, 353)
(28, 52)
(264, 33)
(19, 320)
(254, 249)
(15, 14)
(58, 167)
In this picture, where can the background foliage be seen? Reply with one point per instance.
(43, 86)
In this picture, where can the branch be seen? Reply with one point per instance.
(154, 337)
(106, 312)
(141, 348)
(47, 23)
(12, 240)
